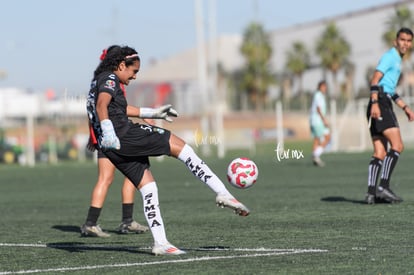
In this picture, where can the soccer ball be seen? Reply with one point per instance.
(242, 173)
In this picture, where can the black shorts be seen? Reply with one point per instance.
(100, 153)
(140, 142)
(389, 119)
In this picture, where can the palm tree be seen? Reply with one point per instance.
(257, 50)
(403, 17)
(333, 50)
(297, 62)
(349, 69)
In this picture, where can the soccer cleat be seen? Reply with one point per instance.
(133, 227)
(230, 202)
(166, 249)
(93, 231)
(318, 162)
(387, 195)
(370, 198)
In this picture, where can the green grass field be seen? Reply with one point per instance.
(304, 220)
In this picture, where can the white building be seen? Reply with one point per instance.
(19, 103)
(363, 30)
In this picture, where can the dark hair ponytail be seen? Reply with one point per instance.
(115, 55)
(105, 51)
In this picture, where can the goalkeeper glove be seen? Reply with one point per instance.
(109, 139)
(163, 112)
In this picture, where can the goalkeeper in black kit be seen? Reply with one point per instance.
(129, 145)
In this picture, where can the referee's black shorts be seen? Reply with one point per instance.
(140, 142)
(389, 119)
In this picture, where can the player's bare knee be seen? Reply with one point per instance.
(399, 148)
(379, 152)
(379, 156)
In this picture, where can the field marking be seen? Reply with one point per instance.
(265, 252)
(76, 245)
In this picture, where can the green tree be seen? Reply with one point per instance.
(349, 69)
(256, 75)
(403, 17)
(333, 50)
(297, 62)
(363, 91)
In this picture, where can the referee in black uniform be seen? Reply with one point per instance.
(383, 124)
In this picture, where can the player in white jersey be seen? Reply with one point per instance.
(319, 125)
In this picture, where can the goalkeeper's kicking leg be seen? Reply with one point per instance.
(184, 152)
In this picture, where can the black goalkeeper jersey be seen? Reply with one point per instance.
(108, 82)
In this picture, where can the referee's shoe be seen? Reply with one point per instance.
(370, 198)
(387, 195)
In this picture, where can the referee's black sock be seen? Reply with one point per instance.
(389, 163)
(93, 215)
(374, 170)
(127, 210)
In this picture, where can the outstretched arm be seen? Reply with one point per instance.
(163, 112)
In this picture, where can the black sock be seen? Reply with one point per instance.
(93, 215)
(389, 163)
(127, 210)
(374, 170)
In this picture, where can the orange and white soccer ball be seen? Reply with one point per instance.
(242, 173)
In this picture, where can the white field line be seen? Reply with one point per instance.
(264, 252)
(75, 245)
